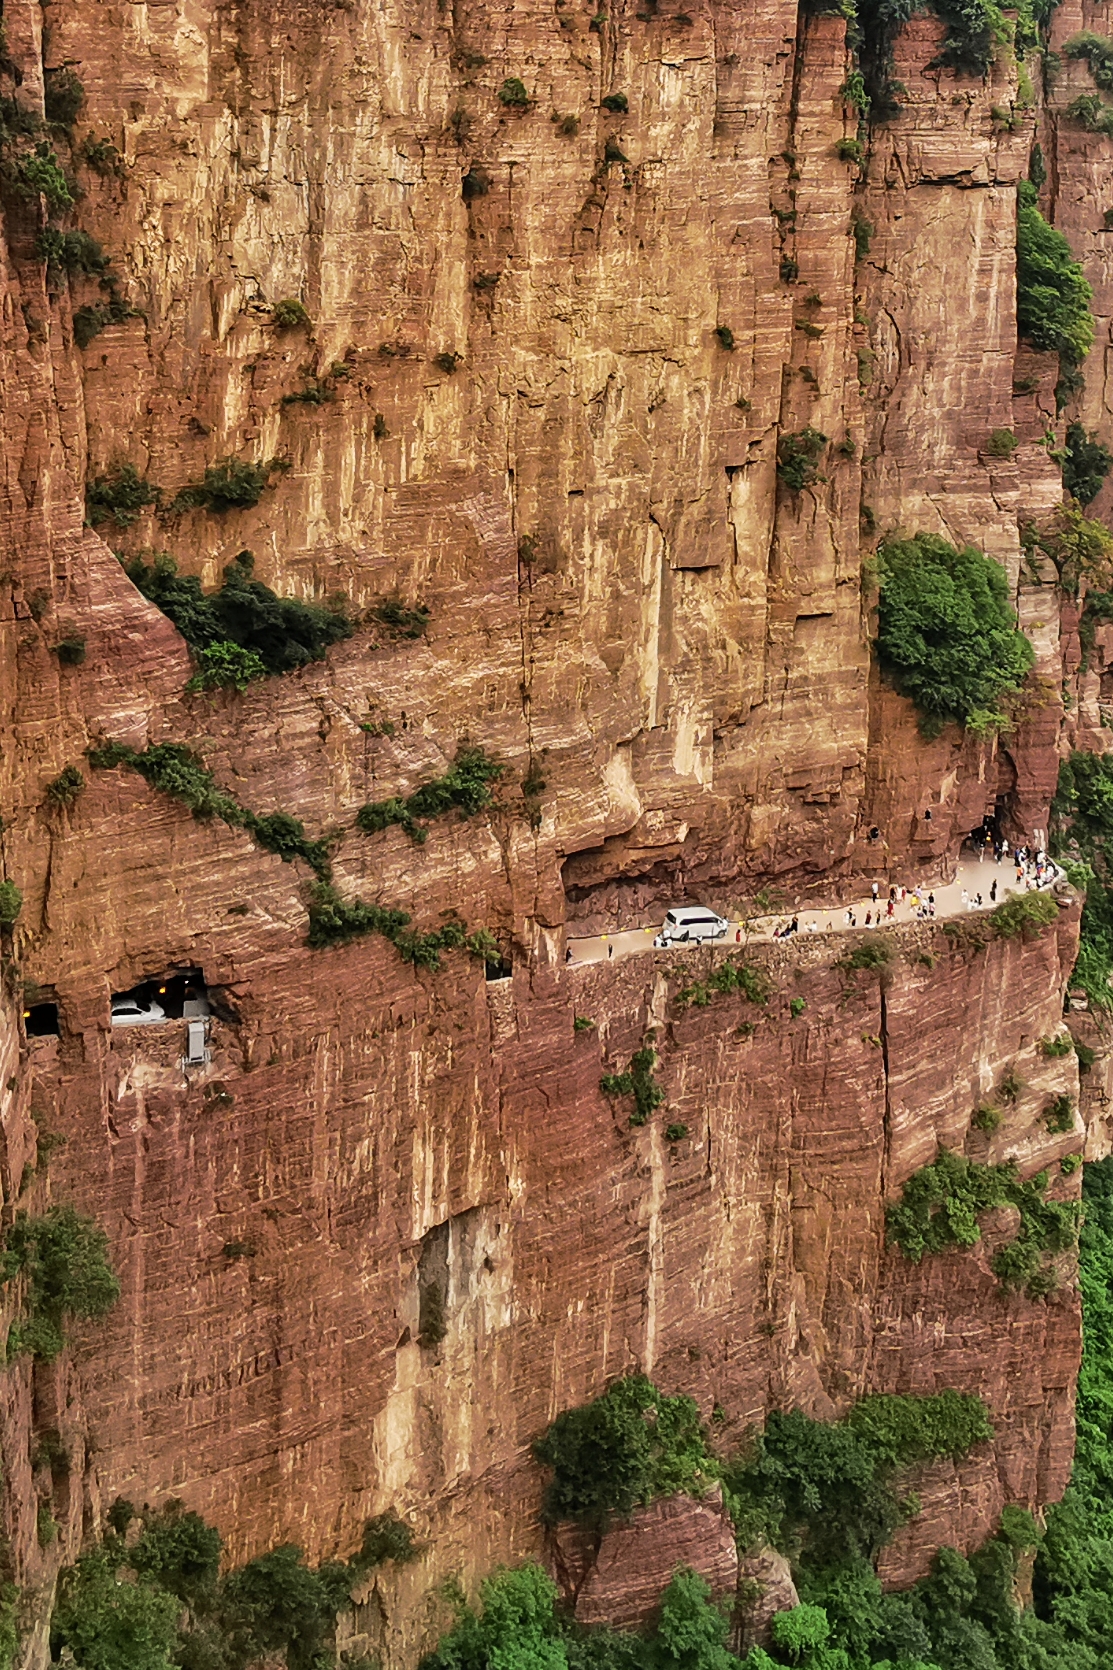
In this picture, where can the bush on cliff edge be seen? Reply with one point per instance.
(947, 633)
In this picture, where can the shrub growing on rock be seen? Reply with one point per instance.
(282, 632)
(947, 632)
(290, 315)
(230, 484)
(121, 494)
(1086, 463)
(1052, 296)
(225, 665)
(626, 1447)
(11, 903)
(64, 1257)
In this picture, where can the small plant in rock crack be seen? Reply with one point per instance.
(637, 1081)
(798, 458)
(64, 790)
(1059, 1115)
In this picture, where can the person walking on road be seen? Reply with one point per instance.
(993, 892)
(875, 892)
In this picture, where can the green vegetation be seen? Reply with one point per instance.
(730, 976)
(1052, 297)
(464, 786)
(37, 173)
(225, 665)
(1025, 916)
(1097, 52)
(829, 1494)
(987, 1118)
(63, 96)
(1002, 444)
(1056, 1047)
(1086, 463)
(1011, 1086)
(1091, 113)
(175, 770)
(71, 252)
(70, 650)
(947, 632)
(862, 231)
(102, 157)
(403, 620)
(616, 103)
(90, 320)
(157, 1600)
(1081, 834)
(626, 1447)
(850, 150)
(725, 335)
(798, 458)
(941, 1203)
(1080, 548)
(637, 1081)
(796, 1006)
(1059, 1114)
(11, 903)
(513, 94)
(335, 921)
(583, 1023)
(229, 484)
(873, 952)
(66, 787)
(63, 1259)
(281, 632)
(122, 495)
(675, 1133)
(290, 315)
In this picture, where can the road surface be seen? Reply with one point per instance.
(973, 877)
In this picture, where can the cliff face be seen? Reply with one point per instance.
(622, 594)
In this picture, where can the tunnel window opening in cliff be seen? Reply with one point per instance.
(180, 995)
(41, 1021)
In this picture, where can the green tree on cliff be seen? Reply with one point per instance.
(947, 633)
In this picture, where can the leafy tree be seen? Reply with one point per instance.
(112, 1625)
(226, 665)
(947, 633)
(800, 1631)
(1086, 464)
(121, 494)
(64, 1257)
(691, 1632)
(516, 1629)
(177, 1551)
(283, 633)
(624, 1448)
(1052, 296)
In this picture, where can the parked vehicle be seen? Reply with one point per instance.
(129, 1010)
(690, 925)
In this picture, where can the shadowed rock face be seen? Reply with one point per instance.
(621, 596)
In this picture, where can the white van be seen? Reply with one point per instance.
(690, 925)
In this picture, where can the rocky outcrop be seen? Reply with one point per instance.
(636, 306)
(636, 1559)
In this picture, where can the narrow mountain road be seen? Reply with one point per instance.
(973, 877)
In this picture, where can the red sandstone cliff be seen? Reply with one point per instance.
(619, 589)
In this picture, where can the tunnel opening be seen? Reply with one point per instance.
(40, 1020)
(179, 995)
